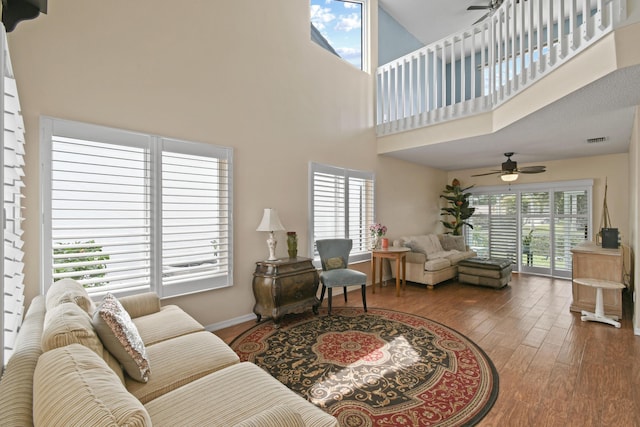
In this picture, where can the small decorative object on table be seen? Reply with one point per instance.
(292, 244)
(377, 231)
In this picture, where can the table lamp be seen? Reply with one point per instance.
(270, 222)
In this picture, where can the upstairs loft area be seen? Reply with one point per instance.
(478, 69)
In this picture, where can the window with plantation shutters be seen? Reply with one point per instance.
(126, 212)
(535, 225)
(11, 176)
(342, 206)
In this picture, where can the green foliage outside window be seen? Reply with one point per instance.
(92, 259)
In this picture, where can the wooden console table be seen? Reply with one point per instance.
(283, 286)
(397, 253)
(592, 262)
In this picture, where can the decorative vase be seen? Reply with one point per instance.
(385, 243)
(375, 242)
(292, 244)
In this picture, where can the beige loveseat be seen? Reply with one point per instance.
(62, 373)
(433, 258)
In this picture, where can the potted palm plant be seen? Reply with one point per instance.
(458, 210)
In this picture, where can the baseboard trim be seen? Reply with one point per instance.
(230, 322)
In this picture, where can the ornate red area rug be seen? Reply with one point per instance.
(380, 368)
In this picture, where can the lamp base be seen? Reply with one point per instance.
(271, 243)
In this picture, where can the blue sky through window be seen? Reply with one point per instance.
(340, 23)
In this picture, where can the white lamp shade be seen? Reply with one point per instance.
(509, 177)
(270, 221)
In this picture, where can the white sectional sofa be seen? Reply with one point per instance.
(433, 258)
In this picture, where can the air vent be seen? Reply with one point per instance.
(597, 140)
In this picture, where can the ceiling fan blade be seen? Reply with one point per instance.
(478, 7)
(488, 173)
(482, 18)
(532, 169)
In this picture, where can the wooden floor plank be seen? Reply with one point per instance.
(555, 370)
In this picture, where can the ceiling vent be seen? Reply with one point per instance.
(597, 140)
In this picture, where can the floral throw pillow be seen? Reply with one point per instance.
(121, 337)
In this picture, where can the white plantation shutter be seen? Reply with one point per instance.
(342, 206)
(101, 214)
(11, 175)
(571, 226)
(127, 213)
(559, 213)
(195, 217)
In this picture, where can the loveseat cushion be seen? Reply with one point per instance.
(120, 336)
(229, 396)
(426, 244)
(68, 290)
(72, 386)
(278, 416)
(170, 322)
(450, 242)
(181, 360)
(437, 264)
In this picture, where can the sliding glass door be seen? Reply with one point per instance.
(534, 225)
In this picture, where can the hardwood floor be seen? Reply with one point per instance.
(555, 370)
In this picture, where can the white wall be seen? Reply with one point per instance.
(240, 73)
(634, 215)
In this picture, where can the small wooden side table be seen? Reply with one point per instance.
(397, 253)
(283, 286)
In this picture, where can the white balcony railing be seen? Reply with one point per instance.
(477, 69)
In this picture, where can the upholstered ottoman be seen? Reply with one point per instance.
(492, 272)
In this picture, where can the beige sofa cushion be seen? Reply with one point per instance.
(170, 322)
(16, 385)
(426, 244)
(72, 386)
(120, 336)
(68, 290)
(239, 392)
(66, 324)
(278, 416)
(181, 360)
(141, 304)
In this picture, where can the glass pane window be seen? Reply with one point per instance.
(535, 225)
(127, 213)
(337, 26)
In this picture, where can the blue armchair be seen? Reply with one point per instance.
(334, 255)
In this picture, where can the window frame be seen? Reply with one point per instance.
(154, 147)
(550, 187)
(354, 256)
(365, 35)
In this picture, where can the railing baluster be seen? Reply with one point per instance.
(587, 22)
(473, 67)
(550, 47)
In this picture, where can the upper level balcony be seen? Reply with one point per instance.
(480, 68)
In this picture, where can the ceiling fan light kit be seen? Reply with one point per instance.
(509, 171)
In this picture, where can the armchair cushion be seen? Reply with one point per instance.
(342, 277)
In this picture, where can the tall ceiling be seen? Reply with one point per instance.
(604, 108)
